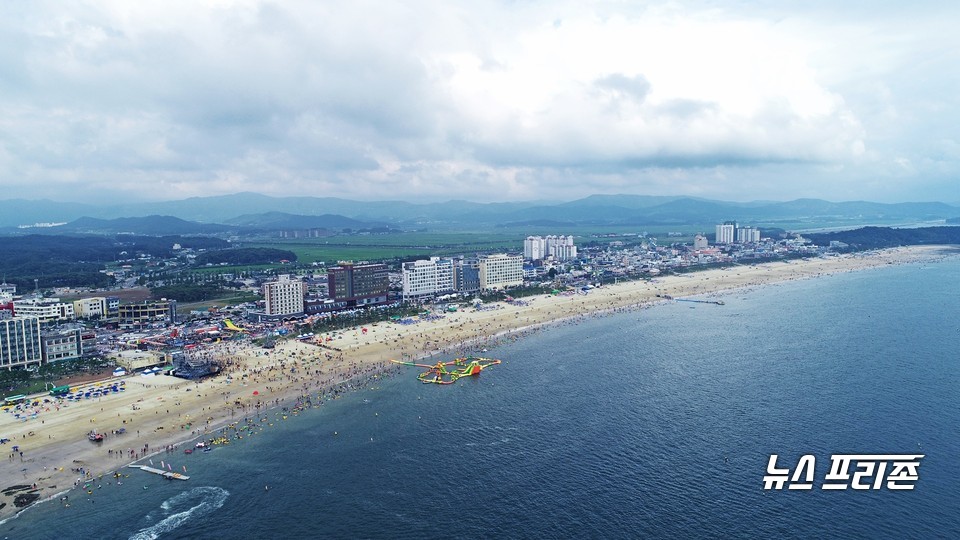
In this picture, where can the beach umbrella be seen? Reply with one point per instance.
(256, 392)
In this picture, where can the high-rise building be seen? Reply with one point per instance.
(534, 248)
(359, 284)
(700, 242)
(20, 342)
(428, 277)
(559, 247)
(726, 233)
(501, 271)
(748, 235)
(284, 296)
(466, 273)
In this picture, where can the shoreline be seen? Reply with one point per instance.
(296, 370)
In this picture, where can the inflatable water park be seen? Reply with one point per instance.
(450, 372)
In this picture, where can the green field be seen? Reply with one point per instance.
(393, 246)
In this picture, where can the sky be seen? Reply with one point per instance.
(114, 101)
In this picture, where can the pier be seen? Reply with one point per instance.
(166, 474)
(668, 297)
(717, 302)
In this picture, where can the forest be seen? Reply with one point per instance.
(885, 237)
(78, 261)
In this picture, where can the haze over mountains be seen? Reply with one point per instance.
(251, 211)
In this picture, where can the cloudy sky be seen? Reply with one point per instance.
(480, 100)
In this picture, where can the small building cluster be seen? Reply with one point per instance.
(108, 309)
(36, 330)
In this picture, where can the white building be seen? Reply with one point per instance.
(20, 342)
(725, 233)
(748, 235)
(46, 310)
(559, 247)
(62, 344)
(284, 296)
(534, 248)
(428, 277)
(501, 271)
(90, 308)
(700, 242)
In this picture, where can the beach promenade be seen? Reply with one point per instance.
(160, 412)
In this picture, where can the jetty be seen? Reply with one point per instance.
(166, 474)
(668, 297)
(717, 302)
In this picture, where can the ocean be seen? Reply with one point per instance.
(654, 423)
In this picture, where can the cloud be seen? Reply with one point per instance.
(619, 86)
(487, 100)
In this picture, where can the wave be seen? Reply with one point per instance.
(195, 503)
(56, 495)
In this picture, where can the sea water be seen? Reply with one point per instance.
(651, 423)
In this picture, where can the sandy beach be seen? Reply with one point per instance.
(158, 413)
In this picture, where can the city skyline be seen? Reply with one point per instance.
(495, 101)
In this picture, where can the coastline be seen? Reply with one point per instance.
(295, 369)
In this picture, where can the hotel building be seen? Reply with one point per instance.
(428, 277)
(359, 284)
(501, 271)
(20, 342)
(284, 296)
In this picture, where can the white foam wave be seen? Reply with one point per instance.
(205, 499)
(56, 495)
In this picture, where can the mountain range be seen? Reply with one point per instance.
(254, 212)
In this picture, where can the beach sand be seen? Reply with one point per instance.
(161, 412)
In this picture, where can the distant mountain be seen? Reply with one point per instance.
(819, 208)
(223, 208)
(633, 202)
(254, 211)
(149, 225)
